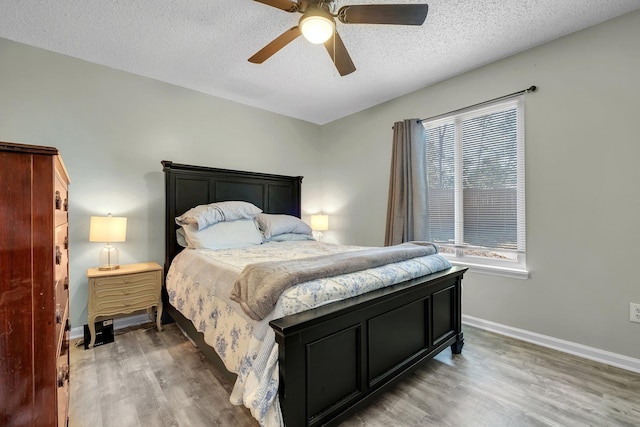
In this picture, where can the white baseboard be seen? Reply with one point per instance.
(591, 353)
(120, 323)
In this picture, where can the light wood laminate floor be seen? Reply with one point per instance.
(150, 378)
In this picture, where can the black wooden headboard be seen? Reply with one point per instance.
(187, 186)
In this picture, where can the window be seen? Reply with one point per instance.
(475, 168)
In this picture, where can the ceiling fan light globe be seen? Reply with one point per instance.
(317, 26)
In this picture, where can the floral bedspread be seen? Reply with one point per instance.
(199, 284)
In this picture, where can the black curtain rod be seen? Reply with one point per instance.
(500, 98)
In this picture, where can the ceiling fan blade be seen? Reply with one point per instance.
(339, 55)
(278, 43)
(397, 14)
(285, 5)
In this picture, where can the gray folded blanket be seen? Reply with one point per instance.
(259, 285)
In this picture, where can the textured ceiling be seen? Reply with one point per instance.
(204, 45)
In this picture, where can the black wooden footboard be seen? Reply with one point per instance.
(336, 358)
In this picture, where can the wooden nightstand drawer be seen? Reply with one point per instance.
(126, 285)
(112, 304)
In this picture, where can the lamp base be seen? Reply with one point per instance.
(109, 257)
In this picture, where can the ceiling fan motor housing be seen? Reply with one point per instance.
(317, 25)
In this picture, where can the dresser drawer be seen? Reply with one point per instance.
(62, 323)
(126, 293)
(61, 201)
(62, 373)
(62, 293)
(61, 252)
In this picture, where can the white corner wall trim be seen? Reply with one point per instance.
(121, 323)
(591, 353)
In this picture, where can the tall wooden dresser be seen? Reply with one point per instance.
(34, 287)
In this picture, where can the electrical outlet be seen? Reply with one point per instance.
(634, 312)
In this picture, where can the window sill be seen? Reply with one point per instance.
(514, 273)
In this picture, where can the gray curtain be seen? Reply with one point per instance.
(408, 205)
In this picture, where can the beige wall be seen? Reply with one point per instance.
(582, 175)
(114, 128)
(582, 130)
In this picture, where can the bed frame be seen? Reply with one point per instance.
(336, 358)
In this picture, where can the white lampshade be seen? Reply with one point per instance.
(108, 229)
(317, 26)
(319, 222)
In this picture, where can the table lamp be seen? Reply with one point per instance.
(319, 223)
(108, 229)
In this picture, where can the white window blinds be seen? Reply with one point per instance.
(475, 168)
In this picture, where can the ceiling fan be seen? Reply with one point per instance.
(317, 24)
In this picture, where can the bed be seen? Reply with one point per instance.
(333, 359)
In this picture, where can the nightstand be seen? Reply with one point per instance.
(130, 288)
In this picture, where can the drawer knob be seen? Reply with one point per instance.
(58, 200)
(66, 283)
(58, 314)
(63, 374)
(58, 255)
(66, 242)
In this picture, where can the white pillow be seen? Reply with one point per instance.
(204, 215)
(291, 237)
(273, 225)
(223, 235)
(181, 237)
